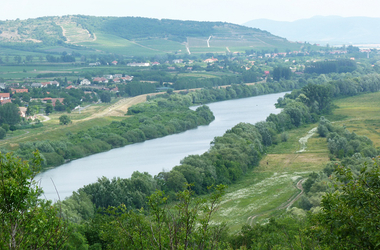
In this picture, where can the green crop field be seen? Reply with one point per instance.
(118, 45)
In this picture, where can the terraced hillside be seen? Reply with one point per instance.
(136, 36)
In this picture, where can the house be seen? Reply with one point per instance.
(85, 82)
(94, 64)
(22, 111)
(127, 78)
(70, 87)
(155, 63)
(266, 72)
(36, 85)
(51, 83)
(117, 75)
(210, 60)
(176, 61)
(114, 63)
(4, 96)
(116, 80)
(138, 64)
(267, 55)
(108, 77)
(100, 80)
(53, 100)
(5, 101)
(2, 86)
(54, 83)
(19, 90)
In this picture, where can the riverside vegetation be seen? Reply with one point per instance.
(116, 214)
(182, 203)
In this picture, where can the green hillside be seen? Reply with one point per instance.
(134, 36)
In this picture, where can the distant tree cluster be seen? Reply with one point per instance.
(337, 66)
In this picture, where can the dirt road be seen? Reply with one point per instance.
(285, 205)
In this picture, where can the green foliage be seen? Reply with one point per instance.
(25, 220)
(343, 143)
(184, 225)
(3, 133)
(64, 120)
(349, 217)
(281, 72)
(9, 114)
(325, 67)
(105, 97)
(48, 109)
(285, 232)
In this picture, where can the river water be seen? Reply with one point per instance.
(154, 156)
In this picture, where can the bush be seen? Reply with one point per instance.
(284, 137)
(3, 133)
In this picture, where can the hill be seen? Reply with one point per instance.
(134, 36)
(333, 30)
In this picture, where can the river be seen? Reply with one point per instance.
(154, 156)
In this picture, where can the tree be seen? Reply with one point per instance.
(9, 113)
(59, 106)
(3, 133)
(48, 109)
(27, 222)
(29, 58)
(64, 120)
(17, 59)
(350, 215)
(185, 225)
(105, 97)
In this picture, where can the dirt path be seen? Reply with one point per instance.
(285, 205)
(303, 140)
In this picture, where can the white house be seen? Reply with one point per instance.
(85, 82)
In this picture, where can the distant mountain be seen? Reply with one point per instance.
(136, 36)
(333, 30)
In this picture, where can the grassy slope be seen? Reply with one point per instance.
(272, 184)
(361, 114)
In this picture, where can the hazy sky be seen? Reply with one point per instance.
(235, 11)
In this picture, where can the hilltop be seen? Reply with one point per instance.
(324, 29)
(135, 36)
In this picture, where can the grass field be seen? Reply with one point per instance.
(264, 189)
(361, 114)
(273, 183)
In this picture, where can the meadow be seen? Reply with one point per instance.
(266, 189)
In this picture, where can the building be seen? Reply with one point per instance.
(94, 64)
(53, 100)
(176, 61)
(19, 90)
(85, 82)
(138, 64)
(210, 60)
(22, 111)
(5, 96)
(127, 78)
(36, 85)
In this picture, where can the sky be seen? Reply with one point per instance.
(233, 11)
